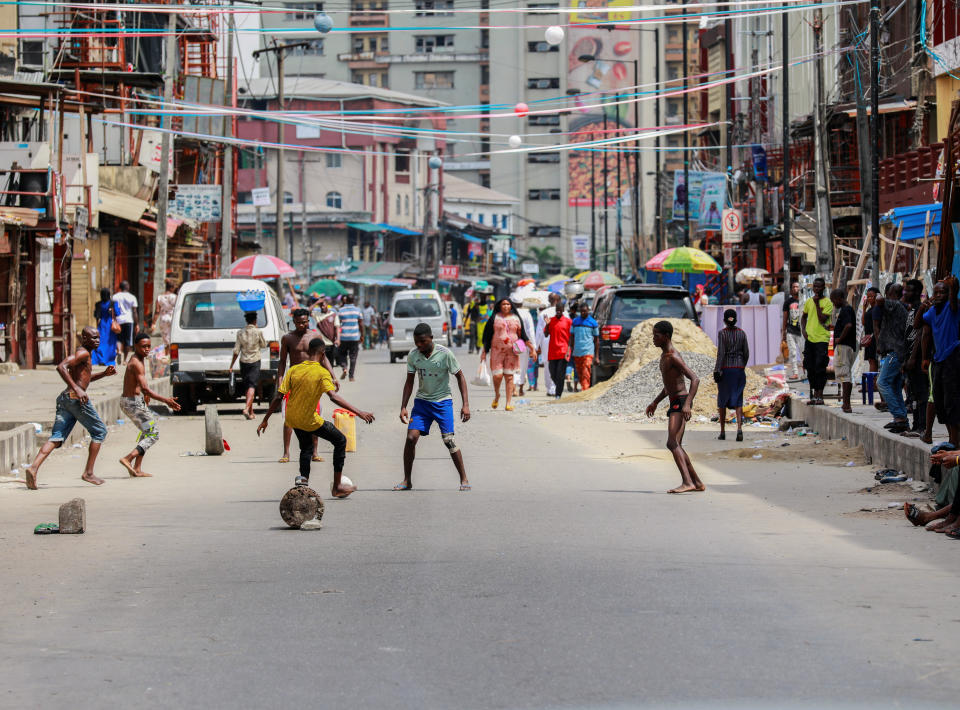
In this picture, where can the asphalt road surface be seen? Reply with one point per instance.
(566, 578)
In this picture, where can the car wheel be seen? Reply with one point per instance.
(185, 398)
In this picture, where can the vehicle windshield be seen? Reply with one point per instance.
(636, 307)
(416, 308)
(214, 310)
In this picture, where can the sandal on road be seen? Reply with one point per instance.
(913, 513)
(317, 458)
(284, 459)
(466, 487)
(402, 487)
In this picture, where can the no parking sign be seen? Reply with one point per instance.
(732, 226)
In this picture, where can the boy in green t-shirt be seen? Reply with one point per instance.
(433, 403)
(815, 325)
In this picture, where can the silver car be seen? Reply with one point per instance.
(407, 311)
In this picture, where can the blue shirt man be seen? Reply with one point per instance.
(585, 332)
(351, 319)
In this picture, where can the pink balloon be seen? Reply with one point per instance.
(521, 109)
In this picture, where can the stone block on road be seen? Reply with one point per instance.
(299, 505)
(73, 516)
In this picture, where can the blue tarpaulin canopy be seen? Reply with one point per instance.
(914, 220)
(380, 227)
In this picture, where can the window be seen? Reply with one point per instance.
(485, 180)
(548, 194)
(544, 120)
(543, 157)
(674, 35)
(503, 221)
(433, 80)
(673, 70)
(484, 73)
(31, 53)
(542, 6)
(369, 43)
(485, 39)
(428, 44)
(406, 205)
(542, 47)
(544, 231)
(370, 78)
(334, 160)
(415, 308)
(470, 216)
(545, 83)
(634, 307)
(287, 198)
(398, 204)
(430, 8)
(480, 217)
(215, 310)
(334, 199)
(245, 198)
(401, 163)
(302, 10)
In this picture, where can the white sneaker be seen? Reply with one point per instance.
(301, 481)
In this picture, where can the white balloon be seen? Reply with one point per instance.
(553, 34)
(514, 141)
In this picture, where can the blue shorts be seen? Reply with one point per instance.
(69, 412)
(426, 413)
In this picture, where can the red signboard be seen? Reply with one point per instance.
(449, 273)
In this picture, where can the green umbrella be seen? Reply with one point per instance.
(327, 287)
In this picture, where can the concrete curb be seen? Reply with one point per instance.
(885, 450)
(19, 444)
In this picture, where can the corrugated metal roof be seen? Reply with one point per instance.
(914, 220)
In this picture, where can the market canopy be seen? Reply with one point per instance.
(914, 220)
(684, 259)
(327, 287)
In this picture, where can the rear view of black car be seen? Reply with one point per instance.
(618, 310)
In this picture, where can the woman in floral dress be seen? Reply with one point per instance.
(164, 313)
(504, 337)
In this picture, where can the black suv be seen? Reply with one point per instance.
(621, 308)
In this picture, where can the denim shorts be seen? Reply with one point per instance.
(69, 412)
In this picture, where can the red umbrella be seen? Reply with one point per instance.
(262, 266)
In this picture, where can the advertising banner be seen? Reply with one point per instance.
(713, 198)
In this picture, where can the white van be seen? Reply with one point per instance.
(407, 311)
(206, 319)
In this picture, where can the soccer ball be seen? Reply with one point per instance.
(345, 481)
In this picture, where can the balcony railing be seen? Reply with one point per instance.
(906, 178)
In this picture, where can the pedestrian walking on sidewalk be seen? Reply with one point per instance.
(126, 308)
(249, 346)
(472, 315)
(328, 325)
(295, 345)
(105, 313)
(844, 345)
(163, 313)
(136, 396)
(304, 385)
(675, 372)
(504, 338)
(543, 341)
(869, 342)
(942, 314)
(558, 352)
(790, 330)
(351, 333)
(586, 340)
(369, 313)
(528, 354)
(890, 329)
(918, 381)
(814, 323)
(434, 364)
(730, 373)
(73, 405)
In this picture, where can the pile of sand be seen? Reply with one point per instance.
(687, 337)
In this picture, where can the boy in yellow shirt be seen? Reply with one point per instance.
(815, 324)
(306, 383)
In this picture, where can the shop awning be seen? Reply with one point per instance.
(381, 227)
(914, 220)
(889, 107)
(374, 281)
(473, 240)
(122, 205)
(172, 225)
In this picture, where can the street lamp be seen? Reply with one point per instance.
(323, 24)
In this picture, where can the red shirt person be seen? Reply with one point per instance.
(558, 353)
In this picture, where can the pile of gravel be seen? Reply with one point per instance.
(628, 399)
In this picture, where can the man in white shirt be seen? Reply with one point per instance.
(543, 340)
(126, 307)
(369, 312)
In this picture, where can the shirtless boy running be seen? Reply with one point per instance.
(136, 396)
(296, 345)
(673, 370)
(73, 405)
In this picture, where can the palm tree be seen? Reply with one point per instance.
(545, 256)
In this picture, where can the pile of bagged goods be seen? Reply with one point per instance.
(637, 381)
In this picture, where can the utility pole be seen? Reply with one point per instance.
(226, 226)
(593, 203)
(160, 241)
(308, 261)
(606, 203)
(875, 135)
(787, 214)
(686, 133)
(256, 177)
(821, 157)
(619, 259)
(657, 197)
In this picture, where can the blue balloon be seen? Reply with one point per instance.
(323, 22)
(435, 162)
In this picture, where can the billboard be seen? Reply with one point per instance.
(713, 198)
(610, 69)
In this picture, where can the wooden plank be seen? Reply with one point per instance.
(928, 225)
(861, 265)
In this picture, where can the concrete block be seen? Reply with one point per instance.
(9, 368)
(73, 517)
(17, 445)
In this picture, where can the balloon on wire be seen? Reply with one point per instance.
(515, 141)
(521, 109)
(435, 162)
(323, 22)
(553, 35)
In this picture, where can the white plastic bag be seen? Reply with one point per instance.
(482, 378)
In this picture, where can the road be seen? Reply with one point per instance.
(565, 578)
